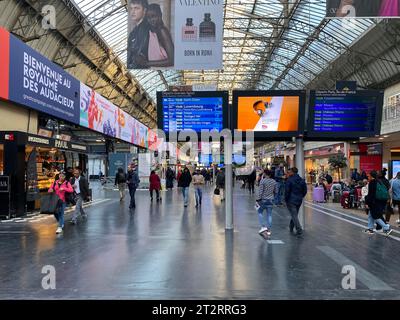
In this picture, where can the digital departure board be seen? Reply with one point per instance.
(345, 114)
(179, 111)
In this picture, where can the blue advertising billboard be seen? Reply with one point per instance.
(36, 82)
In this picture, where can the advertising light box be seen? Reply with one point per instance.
(269, 114)
(179, 111)
(30, 79)
(346, 115)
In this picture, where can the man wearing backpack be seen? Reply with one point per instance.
(376, 200)
(295, 191)
(133, 183)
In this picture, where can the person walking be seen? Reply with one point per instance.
(388, 210)
(266, 195)
(120, 181)
(178, 178)
(198, 183)
(251, 180)
(170, 175)
(133, 182)
(295, 191)
(61, 187)
(81, 191)
(207, 177)
(376, 200)
(155, 184)
(220, 182)
(279, 178)
(395, 191)
(184, 181)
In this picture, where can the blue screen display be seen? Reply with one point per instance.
(344, 112)
(341, 112)
(192, 113)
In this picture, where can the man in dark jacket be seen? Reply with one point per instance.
(279, 178)
(376, 201)
(251, 180)
(220, 182)
(81, 191)
(133, 182)
(138, 40)
(295, 191)
(184, 181)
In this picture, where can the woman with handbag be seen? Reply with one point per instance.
(61, 187)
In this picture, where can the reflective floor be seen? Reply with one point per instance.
(165, 251)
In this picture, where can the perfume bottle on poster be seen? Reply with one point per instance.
(189, 31)
(207, 29)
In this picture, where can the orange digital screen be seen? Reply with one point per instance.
(268, 113)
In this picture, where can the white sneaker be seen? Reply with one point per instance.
(398, 221)
(59, 230)
(263, 230)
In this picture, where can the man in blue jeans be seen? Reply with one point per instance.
(266, 194)
(184, 181)
(295, 191)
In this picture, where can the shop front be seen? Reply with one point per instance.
(366, 157)
(317, 162)
(32, 163)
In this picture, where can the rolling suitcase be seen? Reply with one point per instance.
(345, 200)
(318, 194)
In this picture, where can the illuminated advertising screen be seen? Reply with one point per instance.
(97, 113)
(269, 113)
(179, 111)
(347, 115)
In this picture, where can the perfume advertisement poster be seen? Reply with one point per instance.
(150, 34)
(362, 8)
(268, 113)
(175, 34)
(198, 34)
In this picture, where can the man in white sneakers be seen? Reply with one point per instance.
(266, 195)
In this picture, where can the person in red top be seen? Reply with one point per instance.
(155, 184)
(60, 187)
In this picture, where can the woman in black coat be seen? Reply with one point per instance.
(375, 206)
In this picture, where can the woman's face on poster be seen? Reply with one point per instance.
(153, 18)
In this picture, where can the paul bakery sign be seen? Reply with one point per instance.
(59, 144)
